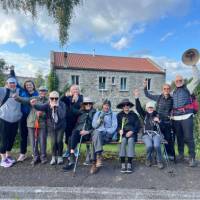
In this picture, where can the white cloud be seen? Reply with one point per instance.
(102, 20)
(166, 36)
(192, 23)
(26, 65)
(122, 43)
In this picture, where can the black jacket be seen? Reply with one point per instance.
(132, 123)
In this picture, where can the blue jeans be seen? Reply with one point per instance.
(151, 143)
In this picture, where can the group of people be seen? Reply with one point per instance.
(74, 118)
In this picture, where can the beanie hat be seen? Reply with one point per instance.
(54, 94)
(151, 104)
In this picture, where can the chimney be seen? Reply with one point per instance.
(93, 53)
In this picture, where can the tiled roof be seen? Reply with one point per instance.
(102, 62)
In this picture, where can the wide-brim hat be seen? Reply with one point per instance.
(125, 102)
(87, 100)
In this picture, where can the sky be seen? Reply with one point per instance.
(158, 29)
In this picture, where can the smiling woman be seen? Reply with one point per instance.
(60, 11)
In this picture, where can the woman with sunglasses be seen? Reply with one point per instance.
(83, 128)
(56, 123)
(128, 127)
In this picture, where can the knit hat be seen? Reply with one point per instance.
(106, 101)
(151, 104)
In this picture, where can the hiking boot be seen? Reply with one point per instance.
(93, 169)
(148, 163)
(123, 168)
(21, 158)
(99, 161)
(180, 158)
(68, 167)
(5, 163)
(59, 160)
(129, 168)
(160, 165)
(192, 162)
(10, 159)
(53, 160)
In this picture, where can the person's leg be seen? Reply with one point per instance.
(130, 154)
(43, 144)
(53, 145)
(60, 134)
(180, 138)
(187, 125)
(149, 147)
(122, 150)
(4, 140)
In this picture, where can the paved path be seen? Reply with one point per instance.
(144, 183)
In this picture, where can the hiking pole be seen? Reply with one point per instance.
(79, 148)
(169, 167)
(36, 133)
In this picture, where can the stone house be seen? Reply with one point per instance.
(100, 76)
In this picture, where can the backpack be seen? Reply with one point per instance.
(194, 103)
(6, 97)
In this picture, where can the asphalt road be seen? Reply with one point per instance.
(144, 183)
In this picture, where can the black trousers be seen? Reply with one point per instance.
(166, 129)
(8, 132)
(23, 134)
(184, 133)
(75, 138)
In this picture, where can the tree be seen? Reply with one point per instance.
(2, 66)
(39, 81)
(59, 10)
(53, 82)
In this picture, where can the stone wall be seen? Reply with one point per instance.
(89, 84)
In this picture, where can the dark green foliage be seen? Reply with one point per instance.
(60, 10)
(53, 82)
(2, 66)
(39, 81)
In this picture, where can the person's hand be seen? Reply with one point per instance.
(15, 95)
(33, 102)
(53, 104)
(83, 132)
(39, 113)
(129, 133)
(156, 119)
(121, 132)
(75, 97)
(136, 93)
(145, 83)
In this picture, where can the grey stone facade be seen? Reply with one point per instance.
(89, 83)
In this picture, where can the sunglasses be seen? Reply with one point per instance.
(166, 88)
(126, 105)
(42, 91)
(87, 103)
(53, 98)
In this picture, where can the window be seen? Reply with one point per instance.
(102, 83)
(148, 83)
(75, 79)
(123, 85)
(113, 80)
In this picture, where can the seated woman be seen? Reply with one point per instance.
(105, 125)
(128, 127)
(151, 135)
(83, 128)
(55, 111)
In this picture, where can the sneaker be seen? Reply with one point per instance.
(66, 154)
(180, 158)
(123, 168)
(160, 165)
(93, 169)
(68, 167)
(192, 162)
(53, 160)
(129, 168)
(59, 160)
(5, 163)
(87, 162)
(21, 158)
(10, 159)
(99, 162)
(148, 163)
(44, 160)
(35, 161)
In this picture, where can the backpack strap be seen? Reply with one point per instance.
(6, 96)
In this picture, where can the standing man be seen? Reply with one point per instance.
(183, 115)
(164, 108)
